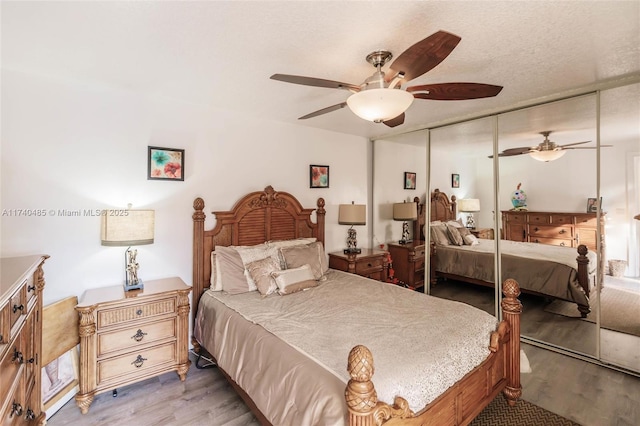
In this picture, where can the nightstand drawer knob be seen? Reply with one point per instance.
(139, 312)
(139, 361)
(139, 336)
(18, 308)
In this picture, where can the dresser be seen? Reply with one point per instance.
(371, 263)
(21, 340)
(560, 229)
(408, 262)
(130, 336)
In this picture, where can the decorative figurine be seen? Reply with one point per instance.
(519, 199)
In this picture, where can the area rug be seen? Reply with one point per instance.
(620, 310)
(498, 413)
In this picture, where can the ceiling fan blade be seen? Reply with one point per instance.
(317, 82)
(395, 121)
(515, 151)
(573, 144)
(423, 56)
(324, 111)
(586, 147)
(454, 91)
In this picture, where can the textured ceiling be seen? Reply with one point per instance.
(221, 53)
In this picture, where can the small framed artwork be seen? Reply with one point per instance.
(455, 180)
(59, 377)
(165, 164)
(592, 205)
(318, 176)
(409, 180)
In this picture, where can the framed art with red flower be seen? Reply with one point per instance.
(165, 163)
(318, 176)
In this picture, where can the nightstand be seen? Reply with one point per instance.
(371, 263)
(483, 233)
(408, 263)
(130, 336)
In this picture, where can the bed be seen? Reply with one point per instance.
(550, 271)
(294, 381)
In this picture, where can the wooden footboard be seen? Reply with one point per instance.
(463, 401)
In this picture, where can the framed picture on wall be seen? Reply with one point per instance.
(165, 164)
(592, 205)
(318, 176)
(409, 180)
(455, 180)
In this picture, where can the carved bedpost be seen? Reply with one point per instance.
(511, 310)
(360, 393)
(417, 224)
(320, 215)
(198, 261)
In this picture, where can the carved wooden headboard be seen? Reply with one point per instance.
(441, 209)
(256, 218)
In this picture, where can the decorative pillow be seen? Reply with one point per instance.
(324, 264)
(260, 272)
(464, 232)
(230, 269)
(454, 235)
(471, 240)
(294, 257)
(250, 254)
(455, 223)
(439, 235)
(290, 243)
(293, 280)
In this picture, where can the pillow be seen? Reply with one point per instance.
(230, 269)
(464, 232)
(454, 235)
(294, 280)
(324, 264)
(290, 243)
(215, 282)
(250, 254)
(471, 240)
(455, 223)
(439, 235)
(260, 271)
(297, 256)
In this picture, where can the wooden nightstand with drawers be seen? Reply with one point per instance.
(408, 263)
(483, 233)
(371, 263)
(126, 337)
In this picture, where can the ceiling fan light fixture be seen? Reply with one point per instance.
(547, 155)
(379, 105)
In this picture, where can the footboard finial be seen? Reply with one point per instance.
(360, 394)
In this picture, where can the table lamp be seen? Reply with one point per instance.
(352, 214)
(404, 212)
(130, 228)
(469, 205)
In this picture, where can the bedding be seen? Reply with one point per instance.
(320, 323)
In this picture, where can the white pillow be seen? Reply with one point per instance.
(294, 280)
(471, 240)
(216, 278)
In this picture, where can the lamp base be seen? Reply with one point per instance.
(138, 286)
(352, 250)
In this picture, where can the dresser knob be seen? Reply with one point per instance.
(562, 243)
(16, 409)
(562, 231)
(139, 361)
(31, 288)
(18, 308)
(17, 355)
(30, 414)
(139, 312)
(138, 336)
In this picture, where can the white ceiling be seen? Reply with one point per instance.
(221, 53)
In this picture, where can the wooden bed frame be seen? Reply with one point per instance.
(442, 209)
(270, 215)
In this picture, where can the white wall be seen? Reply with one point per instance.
(75, 146)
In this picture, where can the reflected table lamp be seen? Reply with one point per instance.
(132, 228)
(404, 212)
(352, 214)
(470, 206)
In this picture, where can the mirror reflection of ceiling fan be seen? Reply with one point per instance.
(546, 150)
(380, 97)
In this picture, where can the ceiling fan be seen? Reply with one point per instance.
(546, 150)
(380, 97)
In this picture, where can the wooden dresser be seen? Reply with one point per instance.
(130, 336)
(371, 263)
(21, 340)
(408, 262)
(560, 229)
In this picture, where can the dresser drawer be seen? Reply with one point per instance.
(515, 218)
(539, 219)
(14, 396)
(586, 221)
(134, 364)
(4, 325)
(10, 369)
(562, 219)
(563, 232)
(420, 251)
(366, 266)
(132, 337)
(120, 315)
(551, 241)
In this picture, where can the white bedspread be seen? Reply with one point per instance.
(421, 344)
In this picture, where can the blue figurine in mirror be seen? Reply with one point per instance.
(519, 199)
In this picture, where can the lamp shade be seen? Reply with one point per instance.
(405, 211)
(469, 205)
(134, 228)
(379, 105)
(547, 155)
(352, 214)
